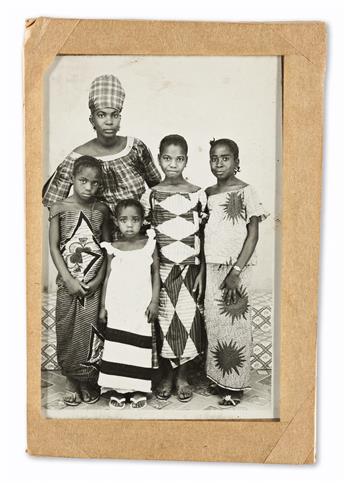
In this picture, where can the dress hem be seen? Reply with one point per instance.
(228, 387)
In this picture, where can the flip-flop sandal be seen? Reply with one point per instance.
(136, 400)
(73, 401)
(94, 397)
(229, 400)
(116, 402)
(183, 399)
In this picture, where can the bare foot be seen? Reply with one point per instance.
(165, 387)
(184, 390)
(71, 396)
(89, 393)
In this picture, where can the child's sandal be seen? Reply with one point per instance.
(72, 398)
(231, 399)
(117, 402)
(138, 402)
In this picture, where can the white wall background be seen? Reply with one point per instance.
(197, 97)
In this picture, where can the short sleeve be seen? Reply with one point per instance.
(109, 248)
(202, 206)
(149, 170)
(59, 184)
(253, 205)
(151, 242)
(55, 210)
(145, 201)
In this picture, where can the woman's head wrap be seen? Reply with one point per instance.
(106, 91)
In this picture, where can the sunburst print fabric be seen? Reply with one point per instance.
(228, 327)
(226, 228)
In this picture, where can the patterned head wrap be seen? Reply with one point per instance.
(106, 91)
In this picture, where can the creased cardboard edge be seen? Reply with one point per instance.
(41, 26)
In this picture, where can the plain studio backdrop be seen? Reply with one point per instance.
(200, 98)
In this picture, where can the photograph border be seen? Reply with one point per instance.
(291, 439)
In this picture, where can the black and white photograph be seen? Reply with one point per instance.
(160, 210)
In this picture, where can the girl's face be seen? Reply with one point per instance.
(129, 221)
(86, 183)
(222, 162)
(106, 122)
(172, 160)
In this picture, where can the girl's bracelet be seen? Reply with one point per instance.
(237, 268)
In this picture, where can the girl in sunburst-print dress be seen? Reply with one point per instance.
(231, 235)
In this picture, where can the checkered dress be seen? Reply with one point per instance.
(124, 175)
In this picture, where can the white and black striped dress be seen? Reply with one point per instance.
(126, 364)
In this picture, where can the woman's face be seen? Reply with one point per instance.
(222, 161)
(106, 122)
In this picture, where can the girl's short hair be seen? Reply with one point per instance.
(86, 162)
(175, 140)
(228, 142)
(129, 203)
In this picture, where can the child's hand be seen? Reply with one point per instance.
(75, 287)
(230, 286)
(152, 312)
(102, 319)
(199, 285)
(93, 286)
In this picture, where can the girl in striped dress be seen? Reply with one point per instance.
(130, 299)
(78, 225)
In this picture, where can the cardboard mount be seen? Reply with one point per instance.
(303, 47)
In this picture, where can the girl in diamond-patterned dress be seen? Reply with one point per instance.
(174, 208)
(231, 235)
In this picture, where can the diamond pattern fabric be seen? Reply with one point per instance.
(176, 217)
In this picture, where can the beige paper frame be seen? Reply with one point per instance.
(303, 47)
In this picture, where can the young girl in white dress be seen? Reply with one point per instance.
(129, 306)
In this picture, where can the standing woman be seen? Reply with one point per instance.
(126, 162)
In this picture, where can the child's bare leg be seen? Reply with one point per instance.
(184, 390)
(166, 384)
(72, 396)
